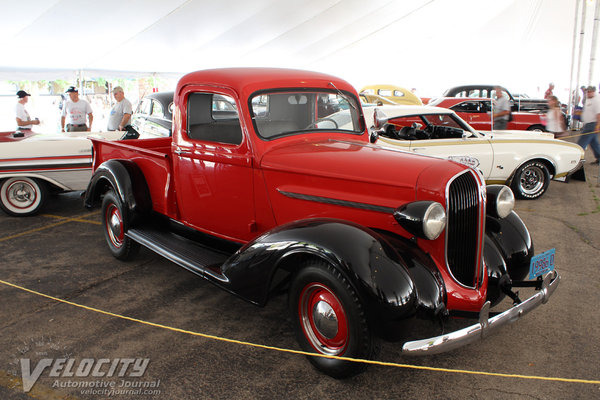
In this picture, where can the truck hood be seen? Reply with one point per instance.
(346, 161)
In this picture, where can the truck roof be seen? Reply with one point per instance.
(245, 81)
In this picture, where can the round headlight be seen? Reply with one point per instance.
(434, 221)
(426, 219)
(500, 200)
(505, 202)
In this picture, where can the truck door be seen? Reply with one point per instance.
(213, 167)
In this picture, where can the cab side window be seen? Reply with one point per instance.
(468, 106)
(213, 118)
(157, 109)
(145, 107)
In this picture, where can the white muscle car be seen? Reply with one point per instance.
(524, 160)
(35, 165)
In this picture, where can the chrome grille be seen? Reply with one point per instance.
(462, 229)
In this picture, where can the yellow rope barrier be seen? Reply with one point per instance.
(262, 346)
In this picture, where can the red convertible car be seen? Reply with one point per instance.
(477, 112)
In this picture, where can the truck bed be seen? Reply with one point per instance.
(152, 156)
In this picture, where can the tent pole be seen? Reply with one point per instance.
(573, 94)
(581, 36)
(594, 37)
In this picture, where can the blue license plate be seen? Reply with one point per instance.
(541, 264)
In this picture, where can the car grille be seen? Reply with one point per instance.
(462, 229)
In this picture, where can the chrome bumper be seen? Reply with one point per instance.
(486, 325)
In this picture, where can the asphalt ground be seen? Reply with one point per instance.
(552, 353)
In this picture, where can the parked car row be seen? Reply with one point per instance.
(25, 183)
(478, 113)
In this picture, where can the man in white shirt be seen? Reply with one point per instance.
(591, 122)
(24, 121)
(74, 113)
(120, 114)
(501, 110)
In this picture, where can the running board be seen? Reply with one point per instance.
(186, 253)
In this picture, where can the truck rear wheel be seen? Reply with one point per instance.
(329, 319)
(115, 222)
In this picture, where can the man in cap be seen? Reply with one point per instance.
(74, 113)
(591, 122)
(24, 121)
(120, 114)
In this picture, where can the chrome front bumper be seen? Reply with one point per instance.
(486, 325)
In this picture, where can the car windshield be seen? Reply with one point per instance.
(285, 113)
(428, 126)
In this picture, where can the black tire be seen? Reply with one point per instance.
(531, 180)
(115, 223)
(22, 196)
(342, 329)
(537, 128)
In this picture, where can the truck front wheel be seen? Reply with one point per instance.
(115, 223)
(330, 320)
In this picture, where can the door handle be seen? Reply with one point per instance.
(419, 148)
(180, 152)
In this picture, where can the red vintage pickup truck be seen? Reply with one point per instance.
(270, 183)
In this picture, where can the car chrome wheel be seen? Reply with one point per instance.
(532, 180)
(22, 196)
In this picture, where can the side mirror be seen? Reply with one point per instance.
(373, 135)
(379, 118)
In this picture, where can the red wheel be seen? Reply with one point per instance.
(115, 225)
(329, 319)
(323, 319)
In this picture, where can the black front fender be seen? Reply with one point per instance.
(393, 284)
(508, 250)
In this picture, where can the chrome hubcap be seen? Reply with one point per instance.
(532, 180)
(114, 226)
(21, 194)
(325, 320)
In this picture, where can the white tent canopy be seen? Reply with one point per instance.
(426, 44)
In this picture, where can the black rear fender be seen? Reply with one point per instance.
(128, 182)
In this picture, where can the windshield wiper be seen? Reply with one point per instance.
(345, 97)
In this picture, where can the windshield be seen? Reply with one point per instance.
(428, 126)
(291, 112)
